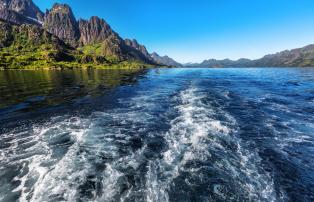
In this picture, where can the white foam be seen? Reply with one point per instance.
(192, 134)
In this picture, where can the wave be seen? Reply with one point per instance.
(202, 139)
(124, 154)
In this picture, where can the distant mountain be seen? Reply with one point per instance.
(300, 57)
(165, 60)
(224, 63)
(92, 37)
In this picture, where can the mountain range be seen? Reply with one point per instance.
(300, 57)
(32, 38)
(83, 41)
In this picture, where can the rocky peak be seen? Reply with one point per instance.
(94, 30)
(61, 8)
(23, 7)
(61, 22)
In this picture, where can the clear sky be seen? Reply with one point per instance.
(194, 30)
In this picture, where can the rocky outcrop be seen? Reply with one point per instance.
(20, 12)
(165, 60)
(26, 8)
(134, 44)
(15, 18)
(28, 45)
(112, 47)
(61, 22)
(94, 30)
(94, 33)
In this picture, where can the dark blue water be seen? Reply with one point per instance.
(158, 135)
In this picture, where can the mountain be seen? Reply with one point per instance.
(94, 30)
(60, 21)
(29, 45)
(90, 37)
(26, 8)
(165, 60)
(224, 63)
(20, 12)
(300, 57)
(134, 44)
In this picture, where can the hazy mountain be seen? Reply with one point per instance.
(300, 57)
(165, 60)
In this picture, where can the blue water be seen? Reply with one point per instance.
(160, 135)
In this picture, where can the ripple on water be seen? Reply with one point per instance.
(159, 145)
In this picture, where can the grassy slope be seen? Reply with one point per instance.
(29, 47)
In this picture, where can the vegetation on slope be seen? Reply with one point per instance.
(31, 47)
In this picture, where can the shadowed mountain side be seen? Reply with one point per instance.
(165, 60)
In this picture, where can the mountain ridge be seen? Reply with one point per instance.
(298, 57)
(95, 33)
(165, 60)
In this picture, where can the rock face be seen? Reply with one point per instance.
(61, 22)
(165, 60)
(20, 12)
(134, 44)
(94, 30)
(14, 17)
(25, 7)
(29, 45)
(94, 33)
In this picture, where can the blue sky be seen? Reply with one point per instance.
(191, 31)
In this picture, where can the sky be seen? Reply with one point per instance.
(195, 30)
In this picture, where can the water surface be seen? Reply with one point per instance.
(157, 135)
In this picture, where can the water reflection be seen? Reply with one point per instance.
(24, 90)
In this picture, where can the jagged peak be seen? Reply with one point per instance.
(61, 8)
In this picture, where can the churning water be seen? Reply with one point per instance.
(159, 135)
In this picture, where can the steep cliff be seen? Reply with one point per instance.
(94, 30)
(25, 7)
(165, 60)
(20, 12)
(61, 22)
(141, 48)
(93, 37)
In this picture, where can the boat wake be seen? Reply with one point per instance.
(186, 149)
